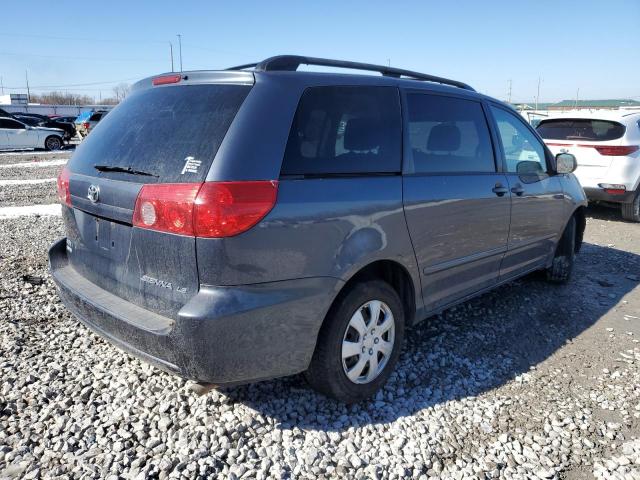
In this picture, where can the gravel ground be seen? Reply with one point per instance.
(18, 173)
(529, 381)
(19, 195)
(27, 156)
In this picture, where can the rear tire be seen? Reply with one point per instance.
(631, 211)
(564, 258)
(53, 143)
(334, 361)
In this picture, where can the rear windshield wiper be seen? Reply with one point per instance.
(114, 168)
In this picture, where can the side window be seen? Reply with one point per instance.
(339, 130)
(523, 151)
(447, 134)
(12, 124)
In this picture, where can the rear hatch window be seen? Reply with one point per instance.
(172, 133)
(580, 130)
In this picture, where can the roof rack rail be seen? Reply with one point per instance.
(292, 62)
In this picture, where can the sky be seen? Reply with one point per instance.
(588, 45)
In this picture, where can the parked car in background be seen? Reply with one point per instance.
(5, 114)
(339, 210)
(606, 145)
(34, 119)
(68, 127)
(85, 123)
(16, 135)
(66, 119)
(28, 119)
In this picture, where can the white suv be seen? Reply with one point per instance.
(606, 145)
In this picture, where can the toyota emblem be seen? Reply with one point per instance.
(93, 194)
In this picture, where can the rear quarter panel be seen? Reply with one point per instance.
(327, 227)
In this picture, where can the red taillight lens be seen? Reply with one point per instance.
(64, 195)
(166, 207)
(166, 79)
(613, 188)
(210, 210)
(614, 150)
(86, 125)
(224, 209)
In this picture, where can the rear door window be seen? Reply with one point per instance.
(173, 133)
(345, 130)
(580, 129)
(447, 135)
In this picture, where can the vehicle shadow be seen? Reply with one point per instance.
(467, 350)
(602, 212)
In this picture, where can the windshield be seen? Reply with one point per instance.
(171, 132)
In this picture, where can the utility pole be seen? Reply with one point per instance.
(180, 47)
(2, 85)
(577, 96)
(538, 94)
(509, 95)
(171, 51)
(26, 75)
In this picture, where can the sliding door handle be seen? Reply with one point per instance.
(500, 189)
(518, 190)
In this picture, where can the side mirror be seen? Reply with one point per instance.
(565, 163)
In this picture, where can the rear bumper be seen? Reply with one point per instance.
(223, 335)
(599, 195)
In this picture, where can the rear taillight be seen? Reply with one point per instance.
(166, 207)
(64, 195)
(224, 209)
(614, 150)
(210, 209)
(608, 150)
(85, 125)
(613, 189)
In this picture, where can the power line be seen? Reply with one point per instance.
(107, 40)
(14, 54)
(79, 84)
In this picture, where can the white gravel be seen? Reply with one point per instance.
(44, 163)
(526, 382)
(34, 181)
(30, 210)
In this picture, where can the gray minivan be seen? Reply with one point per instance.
(240, 225)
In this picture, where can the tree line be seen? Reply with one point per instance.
(119, 92)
